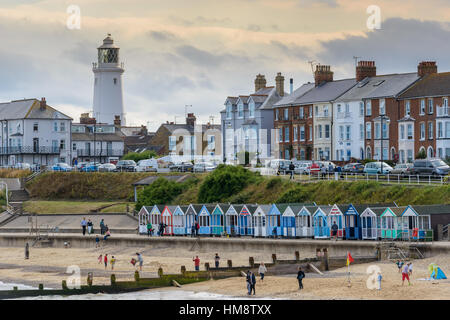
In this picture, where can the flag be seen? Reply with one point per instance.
(349, 258)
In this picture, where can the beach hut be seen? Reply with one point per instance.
(389, 223)
(190, 217)
(143, 218)
(274, 220)
(259, 220)
(155, 217)
(231, 219)
(352, 222)
(336, 216)
(369, 223)
(412, 225)
(303, 223)
(321, 223)
(288, 221)
(204, 219)
(245, 220)
(217, 219)
(179, 220)
(425, 222)
(167, 219)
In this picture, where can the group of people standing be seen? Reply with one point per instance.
(406, 269)
(161, 227)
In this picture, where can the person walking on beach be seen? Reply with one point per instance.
(197, 227)
(27, 251)
(262, 270)
(102, 227)
(90, 226)
(405, 274)
(83, 226)
(334, 230)
(193, 230)
(253, 278)
(112, 261)
(196, 263)
(97, 241)
(248, 279)
(300, 276)
(105, 260)
(217, 260)
(100, 259)
(140, 260)
(399, 264)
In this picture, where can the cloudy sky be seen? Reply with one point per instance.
(197, 52)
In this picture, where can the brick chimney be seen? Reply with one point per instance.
(260, 82)
(279, 82)
(426, 67)
(323, 74)
(365, 69)
(117, 121)
(190, 119)
(42, 104)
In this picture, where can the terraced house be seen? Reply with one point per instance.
(247, 121)
(33, 132)
(425, 126)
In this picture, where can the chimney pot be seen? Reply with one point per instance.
(322, 74)
(291, 83)
(279, 82)
(365, 69)
(426, 67)
(43, 103)
(260, 82)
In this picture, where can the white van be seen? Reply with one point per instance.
(147, 165)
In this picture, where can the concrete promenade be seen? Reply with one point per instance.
(306, 247)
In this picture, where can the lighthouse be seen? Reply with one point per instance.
(108, 96)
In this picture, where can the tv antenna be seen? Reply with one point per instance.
(356, 60)
(312, 63)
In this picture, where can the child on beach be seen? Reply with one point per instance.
(112, 261)
(97, 241)
(106, 261)
(100, 259)
(405, 274)
(399, 264)
(379, 277)
(410, 268)
(262, 270)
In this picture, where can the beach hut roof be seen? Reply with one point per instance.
(378, 211)
(432, 209)
(224, 206)
(265, 207)
(325, 209)
(252, 208)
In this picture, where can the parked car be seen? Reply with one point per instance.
(126, 165)
(80, 165)
(353, 168)
(147, 165)
(182, 167)
(403, 169)
(107, 167)
(317, 165)
(64, 167)
(90, 167)
(23, 166)
(204, 167)
(431, 167)
(377, 167)
(302, 168)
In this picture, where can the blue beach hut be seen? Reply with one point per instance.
(204, 219)
(179, 227)
(274, 221)
(321, 223)
(352, 223)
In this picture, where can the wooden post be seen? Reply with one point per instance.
(251, 262)
(64, 285)
(230, 263)
(41, 286)
(325, 258)
(274, 257)
(15, 288)
(113, 279)
(297, 256)
(183, 269)
(136, 276)
(160, 272)
(206, 266)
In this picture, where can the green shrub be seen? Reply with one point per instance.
(224, 182)
(161, 191)
(273, 183)
(140, 156)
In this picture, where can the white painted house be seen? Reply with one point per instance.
(34, 133)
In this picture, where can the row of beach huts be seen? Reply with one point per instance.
(298, 220)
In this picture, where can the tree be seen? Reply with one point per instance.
(421, 155)
(161, 191)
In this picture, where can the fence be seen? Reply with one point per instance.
(347, 176)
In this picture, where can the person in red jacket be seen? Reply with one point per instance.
(196, 263)
(106, 260)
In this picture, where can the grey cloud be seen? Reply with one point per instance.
(200, 20)
(291, 50)
(397, 47)
(161, 35)
(207, 59)
(254, 27)
(308, 3)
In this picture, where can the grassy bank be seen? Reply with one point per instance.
(49, 207)
(14, 173)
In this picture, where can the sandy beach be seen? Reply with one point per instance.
(48, 266)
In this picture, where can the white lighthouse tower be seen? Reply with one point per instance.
(108, 97)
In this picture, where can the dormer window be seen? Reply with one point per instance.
(251, 109)
(240, 110)
(229, 111)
